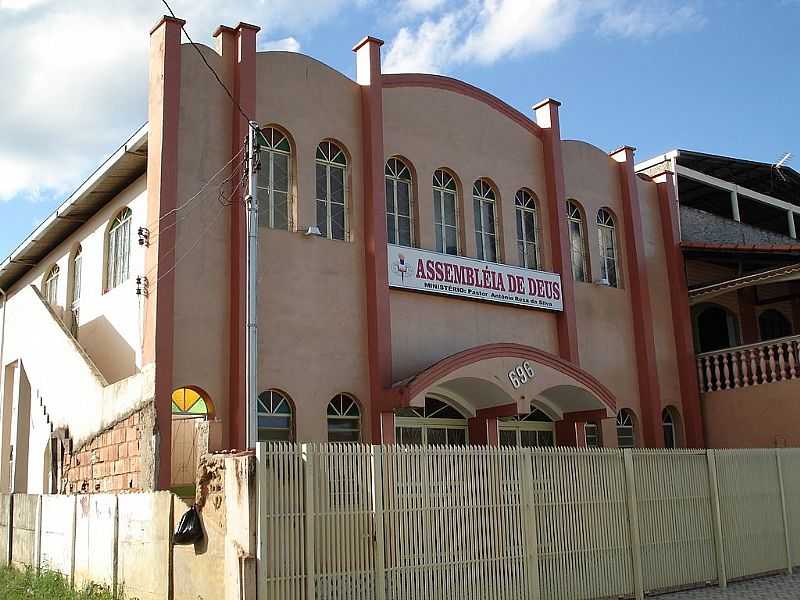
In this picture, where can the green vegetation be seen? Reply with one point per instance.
(27, 585)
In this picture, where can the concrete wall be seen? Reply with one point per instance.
(761, 416)
(25, 530)
(5, 528)
(58, 534)
(95, 537)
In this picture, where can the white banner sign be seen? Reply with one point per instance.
(413, 269)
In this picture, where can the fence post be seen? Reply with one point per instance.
(719, 546)
(10, 536)
(784, 513)
(529, 523)
(309, 455)
(378, 523)
(633, 524)
(37, 536)
(261, 500)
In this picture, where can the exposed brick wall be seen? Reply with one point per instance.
(112, 460)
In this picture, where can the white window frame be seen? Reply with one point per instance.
(577, 254)
(592, 431)
(118, 242)
(331, 160)
(607, 230)
(428, 420)
(50, 285)
(272, 139)
(525, 207)
(484, 194)
(345, 410)
(75, 304)
(625, 421)
(668, 421)
(268, 405)
(445, 184)
(397, 171)
(520, 423)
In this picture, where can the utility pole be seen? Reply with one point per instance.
(251, 368)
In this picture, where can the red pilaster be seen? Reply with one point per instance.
(681, 319)
(571, 429)
(642, 310)
(162, 195)
(379, 343)
(244, 91)
(547, 118)
(794, 288)
(747, 312)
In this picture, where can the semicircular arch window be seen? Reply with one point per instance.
(188, 401)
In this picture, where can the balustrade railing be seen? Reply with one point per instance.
(753, 364)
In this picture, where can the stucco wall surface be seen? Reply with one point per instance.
(761, 416)
(58, 533)
(95, 539)
(25, 543)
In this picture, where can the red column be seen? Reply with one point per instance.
(547, 118)
(747, 312)
(244, 92)
(162, 191)
(644, 340)
(681, 319)
(794, 289)
(571, 429)
(379, 340)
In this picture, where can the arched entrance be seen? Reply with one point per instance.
(491, 394)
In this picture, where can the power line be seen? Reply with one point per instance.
(210, 68)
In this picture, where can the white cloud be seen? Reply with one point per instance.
(288, 44)
(485, 31)
(422, 6)
(78, 71)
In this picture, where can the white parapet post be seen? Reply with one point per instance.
(719, 546)
(633, 524)
(735, 206)
(784, 514)
(792, 224)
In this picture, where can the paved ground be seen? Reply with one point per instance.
(778, 587)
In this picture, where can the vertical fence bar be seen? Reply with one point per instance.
(379, 545)
(308, 514)
(722, 578)
(786, 532)
(37, 536)
(261, 521)
(529, 525)
(633, 523)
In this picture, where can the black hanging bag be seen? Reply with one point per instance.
(189, 530)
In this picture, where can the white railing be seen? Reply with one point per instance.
(339, 521)
(754, 364)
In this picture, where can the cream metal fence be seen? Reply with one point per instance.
(341, 521)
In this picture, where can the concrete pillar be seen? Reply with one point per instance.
(792, 225)
(747, 315)
(735, 206)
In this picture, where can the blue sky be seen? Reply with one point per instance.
(709, 75)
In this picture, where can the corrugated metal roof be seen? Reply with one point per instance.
(115, 174)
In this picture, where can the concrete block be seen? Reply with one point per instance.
(58, 534)
(95, 539)
(145, 535)
(5, 528)
(25, 534)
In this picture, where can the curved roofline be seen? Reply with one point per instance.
(310, 58)
(465, 89)
(409, 388)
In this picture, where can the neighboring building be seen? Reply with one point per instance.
(477, 279)
(739, 221)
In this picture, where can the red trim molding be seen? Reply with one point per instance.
(400, 396)
(379, 333)
(681, 317)
(641, 308)
(567, 322)
(459, 87)
(162, 193)
(244, 91)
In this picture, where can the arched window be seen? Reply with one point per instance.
(669, 424)
(75, 304)
(191, 402)
(274, 180)
(344, 419)
(435, 424)
(399, 213)
(607, 236)
(445, 212)
(773, 325)
(593, 434)
(332, 218)
(527, 229)
(527, 431)
(50, 286)
(716, 328)
(274, 417)
(483, 200)
(626, 429)
(577, 241)
(118, 246)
